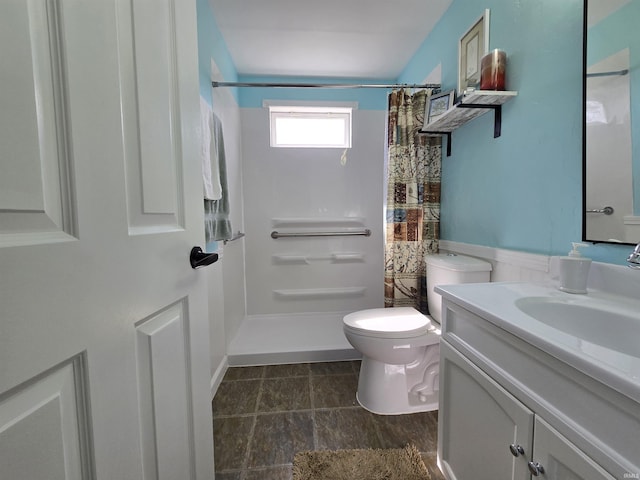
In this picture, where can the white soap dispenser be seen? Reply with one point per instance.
(574, 270)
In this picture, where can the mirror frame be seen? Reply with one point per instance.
(585, 28)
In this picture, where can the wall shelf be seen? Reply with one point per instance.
(471, 106)
(316, 222)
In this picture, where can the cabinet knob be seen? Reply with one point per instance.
(516, 450)
(535, 468)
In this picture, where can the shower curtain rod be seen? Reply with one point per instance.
(322, 85)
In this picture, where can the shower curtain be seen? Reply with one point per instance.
(413, 200)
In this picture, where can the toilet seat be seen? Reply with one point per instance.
(399, 322)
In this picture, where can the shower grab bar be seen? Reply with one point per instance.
(366, 232)
(605, 210)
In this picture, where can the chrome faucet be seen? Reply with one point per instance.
(634, 259)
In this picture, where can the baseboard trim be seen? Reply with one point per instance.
(218, 375)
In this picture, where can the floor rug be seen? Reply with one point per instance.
(371, 464)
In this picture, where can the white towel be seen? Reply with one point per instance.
(216, 212)
(210, 167)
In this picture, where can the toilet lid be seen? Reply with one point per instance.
(399, 322)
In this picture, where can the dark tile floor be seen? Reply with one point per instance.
(263, 416)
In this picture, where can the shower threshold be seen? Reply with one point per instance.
(290, 338)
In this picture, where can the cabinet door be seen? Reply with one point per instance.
(560, 459)
(478, 421)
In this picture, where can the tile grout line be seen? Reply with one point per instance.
(297, 410)
(312, 403)
(245, 461)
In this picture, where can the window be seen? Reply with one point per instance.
(310, 127)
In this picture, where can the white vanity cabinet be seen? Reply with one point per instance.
(508, 410)
(486, 433)
(478, 422)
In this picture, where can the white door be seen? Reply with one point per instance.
(103, 323)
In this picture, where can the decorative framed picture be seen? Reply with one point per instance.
(472, 47)
(438, 104)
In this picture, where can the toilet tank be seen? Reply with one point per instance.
(449, 269)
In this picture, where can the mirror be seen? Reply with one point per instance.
(611, 151)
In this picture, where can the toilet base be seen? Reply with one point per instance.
(387, 389)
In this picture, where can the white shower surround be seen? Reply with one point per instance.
(316, 337)
(309, 190)
(265, 335)
(609, 154)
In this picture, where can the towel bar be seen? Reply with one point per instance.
(605, 210)
(237, 236)
(366, 233)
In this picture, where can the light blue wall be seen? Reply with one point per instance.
(615, 33)
(522, 191)
(212, 45)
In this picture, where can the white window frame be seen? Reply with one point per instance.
(306, 112)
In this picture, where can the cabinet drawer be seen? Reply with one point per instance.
(601, 422)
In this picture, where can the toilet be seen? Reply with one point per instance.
(400, 347)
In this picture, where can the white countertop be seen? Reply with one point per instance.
(496, 302)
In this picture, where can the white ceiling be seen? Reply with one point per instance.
(325, 38)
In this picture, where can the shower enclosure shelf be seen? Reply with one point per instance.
(336, 257)
(299, 293)
(317, 221)
(471, 106)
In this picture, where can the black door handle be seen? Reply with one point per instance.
(198, 258)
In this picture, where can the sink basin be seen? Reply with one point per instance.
(591, 321)
(597, 333)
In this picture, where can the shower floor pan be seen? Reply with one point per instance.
(290, 338)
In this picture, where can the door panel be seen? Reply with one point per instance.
(123, 314)
(34, 208)
(154, 38)
(43, 426)
(163, 374)
(153, 154)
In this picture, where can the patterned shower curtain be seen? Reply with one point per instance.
(413, 201)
